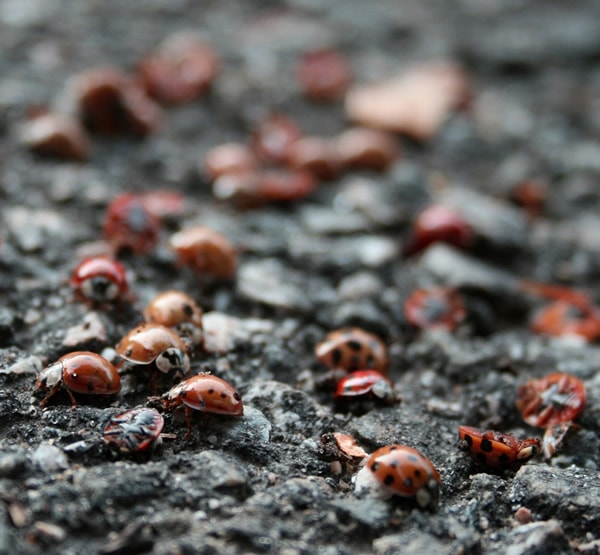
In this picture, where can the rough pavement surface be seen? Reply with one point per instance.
(262, 483)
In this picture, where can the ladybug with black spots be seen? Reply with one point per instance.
(494, 449)
(353, 349)
(399, 470)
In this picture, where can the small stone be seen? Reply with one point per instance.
(48, 531)
(223, 332)
(523, 515)
(538, 537)
(50, 458)
(28, 365)
(91, 330)
(12, 464)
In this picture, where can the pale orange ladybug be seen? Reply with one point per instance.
(177, 310)
(353, 349)
(205, 251)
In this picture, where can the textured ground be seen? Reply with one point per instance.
(259, 484)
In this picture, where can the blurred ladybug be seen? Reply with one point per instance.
(129, 225)
(553, 399)
(363, 384)
(352, 349)
(133, 431)
(205, 251)
(496, 450)
(438, 223)
(205, 393)
(435, 308)
(79, 372)
(272, 138)
(399, 470)
(177, 310)
(100, 279)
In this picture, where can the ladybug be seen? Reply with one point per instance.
(154, 344)
(438, 223)
(323, 75)
(228, 159)
(133, 431)
(205, 251)
(495, 449)
(175, 309)
(400, 470)
(352, 349)
(365, 384)
(553, 437)
(79, 372)
(128, 224)
(100, 279)
(555, 398)
(562, 318)
(205, 393)
(272, 138)
(435, 308)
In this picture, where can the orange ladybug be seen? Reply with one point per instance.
(400, 470)
(495, 449)
(352, 349)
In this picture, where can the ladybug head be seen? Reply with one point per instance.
(173, 359)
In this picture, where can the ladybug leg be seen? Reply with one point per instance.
(51, 393)
(188, 413)
(73, 402)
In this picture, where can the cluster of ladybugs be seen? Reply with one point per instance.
(552, 402)
(172, 329)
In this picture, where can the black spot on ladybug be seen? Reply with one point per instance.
(417, 473)
(468, 440)
(486, 445)
(481, 458)
(188, 310)
(504, 459)
(389, 480)
(90, 386)
(336, 356)
(236, 396)
(393, 448)
(370, 361)
(128, 352)
(354, 345)
(375, 466)
(223, 395)
(211, 391)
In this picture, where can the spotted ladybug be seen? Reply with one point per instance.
(352, 349)
(177, 310)
(365, 384)
(79, 372)
(133, 431)
(100, 279)
(205, 393)
(496, 450)
(399, 470)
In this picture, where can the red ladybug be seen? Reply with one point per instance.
(365, 384)
(553, 399)
(128, 224)
(205, 393)
(438, 223)
(352, 349)
(100, 279)
(133, 431)
(495, 449)
(79, 372)
(400, 470)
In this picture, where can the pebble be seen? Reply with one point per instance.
(50, 458)
(27, 365)
(537, 537)
(223, 332)
(91, 330)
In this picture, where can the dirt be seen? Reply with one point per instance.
(263, 483)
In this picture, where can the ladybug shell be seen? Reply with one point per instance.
(352, 349)
(133, 431)
(205, 250)
(497, 450)
(206, 393)
(143, 344)
(405, 472)
(87, 372)
(100, 278)
(365, 383)
(555, 398)
(172, 308)
(436, 308)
